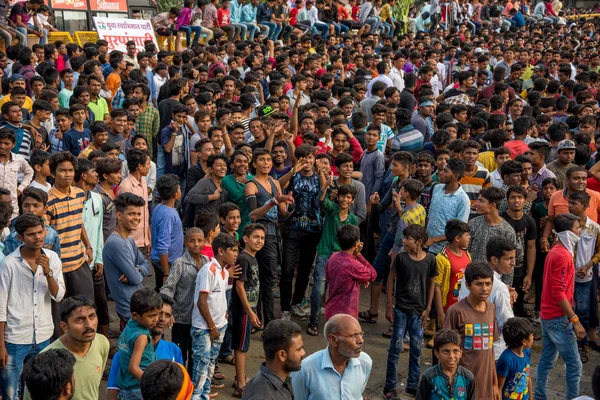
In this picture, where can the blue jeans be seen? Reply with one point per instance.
(582, 304)
(382, 260)
(411, 324)
(10, 375)
(243, 30)
(188, 34)
(273, 30)
(339, 28)
(160, 162)
(386, 28)
(226, 346)
(205, 353)
(133, 394)
(558, 337)
(24, 31)
(375, 23)
(318, 289)
(321, 28)
(251, 29)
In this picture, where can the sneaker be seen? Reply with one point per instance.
(299, 313)
(536, 320)
(286, 316)
(411, 391)
(391, 395)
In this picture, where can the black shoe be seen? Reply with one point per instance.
(391, 395)
(411, 391)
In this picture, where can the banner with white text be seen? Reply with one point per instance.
(118, 31)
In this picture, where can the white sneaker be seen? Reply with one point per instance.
(299, 313)
(286, 316)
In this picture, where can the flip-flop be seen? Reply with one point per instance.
(312, 329)
(366, 316)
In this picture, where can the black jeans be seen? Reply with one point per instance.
(299, 248)
(159, 275)
(182, 337)
(267, 258)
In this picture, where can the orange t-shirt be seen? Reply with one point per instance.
(113, 83)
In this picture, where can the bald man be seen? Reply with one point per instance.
(341, 370)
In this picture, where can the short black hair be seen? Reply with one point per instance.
(224, 241)
(248, 229)
(347, 189)
(226, 208)
(413, 187)
(454, 228)
(493, 195)
(36, 194)
(70, 304)
(497, 246)
(135, 158)
(206, 222)
(167, 186)
(83, 166)
(457, 167)
(26, 221)
(444, 337)
(347, 236)
(214, 157)
(517, 189)
(161, 380)
(126, 199)
(47, 374)
(478, 270)
(564, 222)
(515, 331)
(580, 197)
(6, 210)
(38, 157)
(510, 167)
(57, 158)
(9, 134)
(145, 300)
(278, 336)
(108, 166)
(417, 232)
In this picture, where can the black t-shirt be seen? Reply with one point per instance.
(248, 275)
(165, 112)
(525, 230)
(412, 281)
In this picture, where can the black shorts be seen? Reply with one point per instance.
(241, 331)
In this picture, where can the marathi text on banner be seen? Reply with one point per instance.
(118, 31)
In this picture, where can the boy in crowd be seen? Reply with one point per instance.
(336, 215)
(408, 312)
(11, 165)
(34, 201)
(412, 212)
(372, 164)
(448, 350)
(501, 155)
(99, 132)
(135, 343)
(229, 216)
(474, 319)
(167, 230)
(209, 316)
(346, 271)
(78, 137)
(180, 286)
(513, 365)
(40, 163)
(243, 302)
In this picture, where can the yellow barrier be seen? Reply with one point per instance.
(64, 37)
(84, 37)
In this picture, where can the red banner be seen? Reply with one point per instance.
(108, 5)
(70, 4)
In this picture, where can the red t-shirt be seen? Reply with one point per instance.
(293, 16)
(559, 282)
(516, 147)
(207, 251)
(223, 17)
(458, 264)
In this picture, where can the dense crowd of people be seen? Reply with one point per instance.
(282, 157)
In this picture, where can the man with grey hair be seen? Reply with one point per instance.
(341, 370)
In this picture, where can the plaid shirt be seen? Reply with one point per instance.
(414, 214)
(118, 99)
(147, 124)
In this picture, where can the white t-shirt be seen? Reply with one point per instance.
(211, 279)
(586, 248)
(500, 296)
(35, 184)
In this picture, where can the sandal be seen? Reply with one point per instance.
(583, 354)
(313, 329)
(366, 316)
(387, 333)
(227, 360)
(234, 384)
(594, 344)
(218, 375)
(238, 392)
(217, 385)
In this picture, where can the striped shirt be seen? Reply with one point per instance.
(64, 214)
(408, 139)
(24, 143)
(472, 184)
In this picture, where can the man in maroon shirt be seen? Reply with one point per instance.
(560, 325)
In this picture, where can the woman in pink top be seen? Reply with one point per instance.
(182, 24)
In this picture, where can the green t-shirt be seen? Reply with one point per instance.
(329, 243)
(236, 195)
(99, 108)
(88, 369)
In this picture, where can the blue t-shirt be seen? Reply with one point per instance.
(164, 351)
(516, 371)
(167, 234)
(76, 141)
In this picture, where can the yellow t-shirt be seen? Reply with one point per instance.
(28, 102)
(487, 159)
(386, 13)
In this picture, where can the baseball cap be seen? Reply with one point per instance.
(265, 111)
(566, 145)
(539, 67)
(17, 77)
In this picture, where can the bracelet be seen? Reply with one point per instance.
(574, 318)
(212, 327)
(273, 202)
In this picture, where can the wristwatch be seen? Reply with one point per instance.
(49, 274)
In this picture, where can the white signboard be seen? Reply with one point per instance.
(118, 31)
